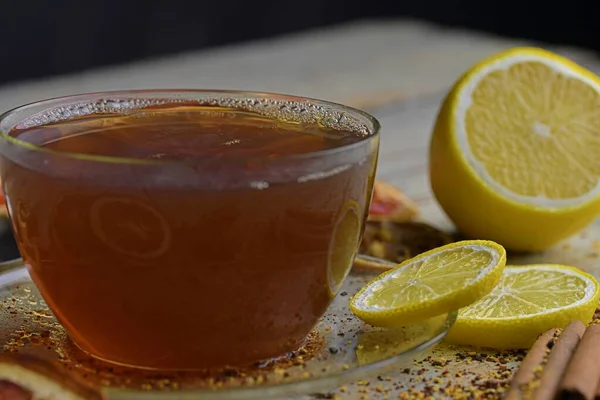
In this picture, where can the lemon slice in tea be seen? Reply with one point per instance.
(130, 227)
(343, 246)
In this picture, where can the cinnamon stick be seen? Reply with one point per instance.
(583, 373)
(534, 358)
(558, 360)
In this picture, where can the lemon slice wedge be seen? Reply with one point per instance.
(528, 301)
(433, 283)
(516, 145)
(342, 247)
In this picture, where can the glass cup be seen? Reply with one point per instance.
(187, 229)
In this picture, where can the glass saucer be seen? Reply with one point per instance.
(340, 349)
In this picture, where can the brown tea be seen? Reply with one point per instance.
(184, 237)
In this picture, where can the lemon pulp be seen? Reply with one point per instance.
(527, 301)
(431, 284)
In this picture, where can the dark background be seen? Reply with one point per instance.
(48, 37)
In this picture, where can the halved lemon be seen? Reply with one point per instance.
(528, 301)
(514, 154)
(433, 283)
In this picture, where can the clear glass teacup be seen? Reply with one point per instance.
(187, 229)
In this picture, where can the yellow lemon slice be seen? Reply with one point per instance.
(528, 301)
(130, 227)
(433, 283)
(514, 154)
(343, 246)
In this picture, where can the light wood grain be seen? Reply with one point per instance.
(365, 60)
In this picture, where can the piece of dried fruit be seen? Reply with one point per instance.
(390, 204)
(27, 378)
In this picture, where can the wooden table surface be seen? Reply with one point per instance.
(397, 70)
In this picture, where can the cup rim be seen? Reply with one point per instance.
(75, 103)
